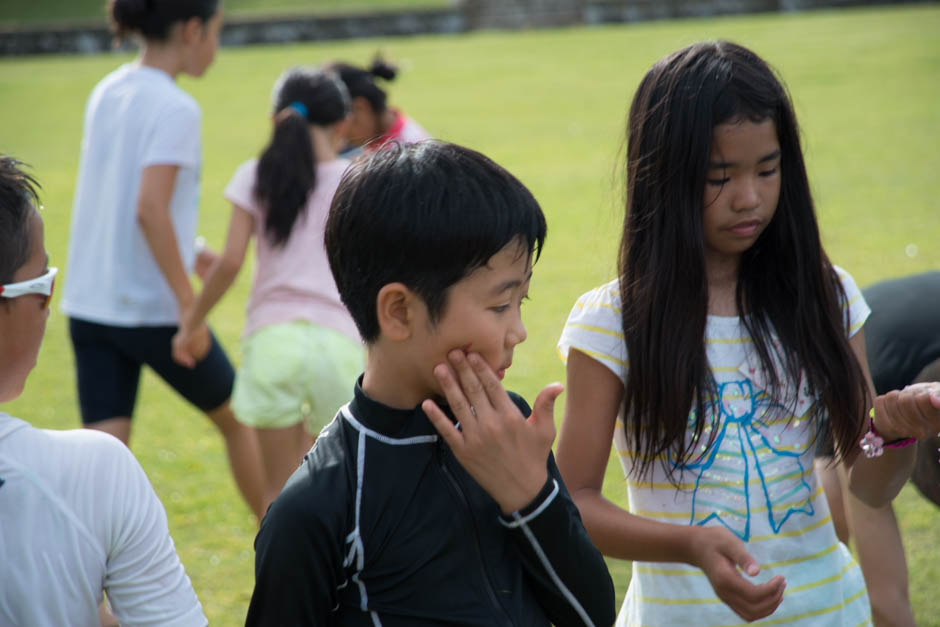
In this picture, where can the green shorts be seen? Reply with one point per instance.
(293, 372)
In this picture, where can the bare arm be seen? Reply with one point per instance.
(876, 481)
(591, 408)
(220, 277)
(153, 215)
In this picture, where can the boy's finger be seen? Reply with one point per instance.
(469, 381)
(492, 386)
(442, 423)
(455, 396)
(543, 410)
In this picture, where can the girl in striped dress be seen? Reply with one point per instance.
(727, 349)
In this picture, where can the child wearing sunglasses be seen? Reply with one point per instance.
(78, 515)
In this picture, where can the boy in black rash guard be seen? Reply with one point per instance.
(433, 497)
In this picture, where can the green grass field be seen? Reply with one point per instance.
(550, 106)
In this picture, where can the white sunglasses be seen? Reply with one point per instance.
(42, 284)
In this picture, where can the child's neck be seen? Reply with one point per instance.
(389, 381)
(324, 144)
(722, 277)
(161, 56)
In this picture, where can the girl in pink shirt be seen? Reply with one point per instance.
(301, 347)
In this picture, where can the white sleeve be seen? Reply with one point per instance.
(174, 138)
(594, 327)
(144, 578)
(855, 302)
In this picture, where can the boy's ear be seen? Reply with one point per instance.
(395, 310)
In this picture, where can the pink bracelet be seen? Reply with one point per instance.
(873, 444)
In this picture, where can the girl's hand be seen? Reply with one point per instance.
(720, 553)
(913, 412)
(504, 452)
(189, 346)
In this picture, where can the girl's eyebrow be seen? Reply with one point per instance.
(723, 165)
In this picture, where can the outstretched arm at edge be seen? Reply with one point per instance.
(876, 481)
(221, 275)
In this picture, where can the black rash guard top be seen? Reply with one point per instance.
(381, 525)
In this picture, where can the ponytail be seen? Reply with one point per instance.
(286, 174)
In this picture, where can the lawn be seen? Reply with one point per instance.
(550, 106)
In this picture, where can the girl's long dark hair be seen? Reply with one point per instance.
(286, 173)
(786, 285)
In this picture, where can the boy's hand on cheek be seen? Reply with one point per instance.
(504, 452)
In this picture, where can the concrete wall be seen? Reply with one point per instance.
(95, 37)
(503, 14)
(605, 11)
(465, 16)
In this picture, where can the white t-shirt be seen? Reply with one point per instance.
(78, 516)
(293, 281)
(135, 117)
(757, 479)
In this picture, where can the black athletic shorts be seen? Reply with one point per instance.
(108, 360)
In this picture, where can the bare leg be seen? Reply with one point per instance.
(118, 427)
(282, 450)
(881, 556)
(244, 456)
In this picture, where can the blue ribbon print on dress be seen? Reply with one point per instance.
(746, 448)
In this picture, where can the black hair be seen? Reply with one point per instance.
(786, 284)
(286, 172)
(426, 215)
(18, 197)
(361, 81)
(152, 19)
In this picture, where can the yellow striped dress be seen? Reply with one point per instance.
(756, 479)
